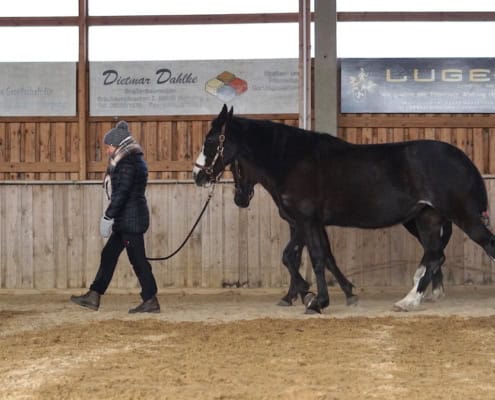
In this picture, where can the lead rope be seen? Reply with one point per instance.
(210, 195)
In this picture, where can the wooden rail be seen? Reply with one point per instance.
(411, 16)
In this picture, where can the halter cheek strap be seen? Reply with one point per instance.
(218, 155)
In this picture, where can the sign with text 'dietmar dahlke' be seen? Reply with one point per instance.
(424, 85)
(193, 87)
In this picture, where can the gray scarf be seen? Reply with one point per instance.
(127, 147)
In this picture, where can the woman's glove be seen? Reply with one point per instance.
(106, 226)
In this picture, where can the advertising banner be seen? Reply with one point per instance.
(37, 89)
(428, 85)
(193, 87)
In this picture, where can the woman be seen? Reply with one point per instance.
(125, 220)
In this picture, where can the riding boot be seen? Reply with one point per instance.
(148, 306)
(89, 300)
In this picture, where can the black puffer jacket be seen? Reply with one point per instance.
(128, 206)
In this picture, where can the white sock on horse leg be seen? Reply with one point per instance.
(413, 298)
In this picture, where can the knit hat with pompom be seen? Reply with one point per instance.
(117, 135)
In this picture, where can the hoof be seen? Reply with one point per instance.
(311, 303)
(409, 303)
(284, 303)
(398, 308)
(435, 295)
(352, 300)
(308, 298)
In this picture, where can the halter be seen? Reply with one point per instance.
(208, 170)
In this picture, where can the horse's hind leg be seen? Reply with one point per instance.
(437, 290)
(430, 229)
(343, 282)
(291, 258)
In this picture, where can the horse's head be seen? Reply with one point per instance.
(244, 185)
(219, 150)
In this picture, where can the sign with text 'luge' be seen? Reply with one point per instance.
(428, 85)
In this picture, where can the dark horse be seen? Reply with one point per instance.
(318, 180)
(244, 181)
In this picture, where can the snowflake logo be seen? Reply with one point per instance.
(361, 85)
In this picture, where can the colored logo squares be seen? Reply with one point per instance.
(226, 86)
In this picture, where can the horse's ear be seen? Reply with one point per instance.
(231, 112)
(224, 111)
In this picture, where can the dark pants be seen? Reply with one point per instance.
(134, 244)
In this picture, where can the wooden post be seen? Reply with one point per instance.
(326, 71)
(304, 64)
(82, 87)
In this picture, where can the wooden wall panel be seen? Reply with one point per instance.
(73, 149)
(14, 145)
(3, 241)
(230, 240)
(92, 210)
(150, 144)
(164, 143)
(45, 150)
(182, 146)
(43, 237)
(49, 238)
(11, 248)
(194, 262)
(59, 146)
(75, 235)
(180, 207)
(3, 145)
(29, 146)
(60, 231)
(26, 240)
(38, 151)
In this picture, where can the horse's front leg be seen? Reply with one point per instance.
(291, 258)
(319, 254)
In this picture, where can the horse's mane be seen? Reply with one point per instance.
(283, 132)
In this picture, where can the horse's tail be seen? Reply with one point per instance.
(482, 196)
(465, 185)
(479, 188)
(482, 234)
(479, 192)
(476, 186)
